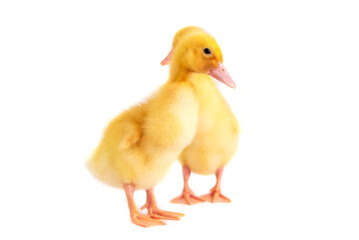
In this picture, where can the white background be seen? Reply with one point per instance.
(68, 67)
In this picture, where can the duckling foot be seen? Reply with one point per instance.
(215, 196)
(187, 197)
(144, 221)
(136, 217)
(154, 212)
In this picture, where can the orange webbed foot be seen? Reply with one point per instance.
(156, 213)
(215, 196)
(145, 221)
(187, 197)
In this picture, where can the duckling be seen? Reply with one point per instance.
(216, 137)
(140, 145)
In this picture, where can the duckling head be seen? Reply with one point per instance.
(182, 33)
(199, 52)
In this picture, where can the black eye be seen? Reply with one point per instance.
(207, 51)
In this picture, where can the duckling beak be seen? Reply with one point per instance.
(221, 74)
(167, 59)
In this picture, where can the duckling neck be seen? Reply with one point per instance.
(179, 75)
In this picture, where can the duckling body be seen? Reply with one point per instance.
(140, 145)
(216, 138)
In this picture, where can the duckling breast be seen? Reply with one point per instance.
(172, 117)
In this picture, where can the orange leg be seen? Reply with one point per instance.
(187, 196)
(155, 212)
(136, 217)
(215, 194)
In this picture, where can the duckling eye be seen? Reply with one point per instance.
(207, 51)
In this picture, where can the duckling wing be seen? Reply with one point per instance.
(131, 134)
(126, 130)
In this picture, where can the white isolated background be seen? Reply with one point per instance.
(68, 67)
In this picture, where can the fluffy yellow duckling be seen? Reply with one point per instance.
(139, 146)
(216, 136)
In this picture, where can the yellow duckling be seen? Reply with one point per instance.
(139, 146)
(216, 138)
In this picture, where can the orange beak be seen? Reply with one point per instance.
(222, 75)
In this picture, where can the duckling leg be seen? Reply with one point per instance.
(187, 196)
(215, 194)
(136, 217)
(155, 212)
